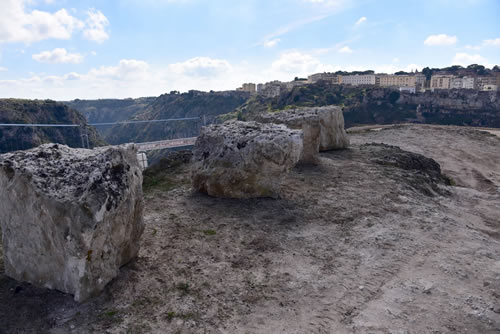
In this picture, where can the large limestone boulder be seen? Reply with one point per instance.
(70, 217)
(244, 159)
(332, 135)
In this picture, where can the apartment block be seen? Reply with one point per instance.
(326, 76)
(396, 81)
(488, 82)
(357, 80)
(462, 83)
(271, 89)
(441, 81)
(248, 87)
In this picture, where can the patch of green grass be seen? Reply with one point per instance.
(111, 313)
(209, 232)
(449, 181)
(170, 316)
(183, 287)
(154, 232)
(159, 182)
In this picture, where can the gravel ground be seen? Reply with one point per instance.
(370, 241)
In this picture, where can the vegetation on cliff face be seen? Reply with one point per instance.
(375, 105)
(47, 112)
(109, 110)
(207, 106)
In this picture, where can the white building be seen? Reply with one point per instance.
(326, 76)
(247, 87)
(357, 80)
(489, 87)
(462, 83)
(270, 89)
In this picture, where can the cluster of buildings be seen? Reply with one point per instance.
(448, 81)
(412, 82)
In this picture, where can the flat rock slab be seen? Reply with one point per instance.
(244, 159)
(70, 217)
(320, 124)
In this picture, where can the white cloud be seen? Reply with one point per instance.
(133, 78)
(336, 4)
(127, 69)
(441, 40)
(492, 42)
(128, 78)
(3, 69)
(361, 20)
(58, 56)
(294, 63)
(473, 47)
(345, 49)
(271, 43)
(465, 59)
(96, 24)
(19, 25)
(201, 66)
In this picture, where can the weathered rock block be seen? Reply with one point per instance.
(244, 159)
(332, 135)
(308, 122)
(70, 217)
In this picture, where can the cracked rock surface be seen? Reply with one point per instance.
(327, 122)
(244, 159)
(70, 217)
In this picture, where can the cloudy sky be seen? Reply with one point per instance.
(62, 49)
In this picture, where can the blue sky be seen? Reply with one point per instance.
(63, 49)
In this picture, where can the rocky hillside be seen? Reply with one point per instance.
(109, 110)
(205, 105)
(370, 105)
(38, 111)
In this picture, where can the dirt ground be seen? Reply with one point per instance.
(367, 242)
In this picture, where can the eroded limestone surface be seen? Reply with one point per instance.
(70, 217)
(244, 159)
(329, 119)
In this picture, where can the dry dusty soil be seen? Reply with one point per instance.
(373, 240)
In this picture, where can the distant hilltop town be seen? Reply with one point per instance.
(475, 77)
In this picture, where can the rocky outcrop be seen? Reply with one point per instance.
(244, 159)
(70, 217)
(303, 120)
(456, 99)
(45, 112)
(323, 128)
